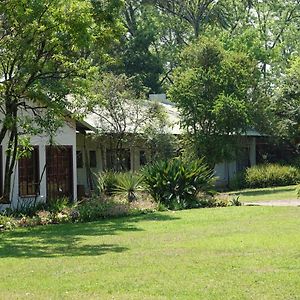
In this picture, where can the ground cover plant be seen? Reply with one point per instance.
(220, 253)
(266, 194)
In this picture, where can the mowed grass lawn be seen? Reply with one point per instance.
(267, 194)
(221, 253)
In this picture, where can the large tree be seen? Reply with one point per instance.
(214, 90)
(47, 49)
(121, 114)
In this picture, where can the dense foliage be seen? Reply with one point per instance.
(269, 175)
(176, 183)
(266, 175)
(214, 90)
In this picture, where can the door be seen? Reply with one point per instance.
(59, 169)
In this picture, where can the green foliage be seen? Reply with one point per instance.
(129, 184)
(47, 50)
(107, 182)
(235, 201)
(7, 223)
(269, 175)
(177, 182)
(212, 89)
(287, 103)
(97, 208)
(57, 205)
(237, 182)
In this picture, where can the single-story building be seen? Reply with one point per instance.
(67, 167)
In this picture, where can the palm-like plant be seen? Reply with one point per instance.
(129, 184)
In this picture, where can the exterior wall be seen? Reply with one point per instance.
(101, 145)
(227, 170)
(85, 144)
(224, 171)
(66, 136)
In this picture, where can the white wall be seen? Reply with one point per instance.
(65, 136)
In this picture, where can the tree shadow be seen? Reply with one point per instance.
(71, 239)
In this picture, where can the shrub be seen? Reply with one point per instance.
(177, 182)
(107, 182)
(96, 208)
(129, 184)
(57, 205)
(269, 175)
(7, 223)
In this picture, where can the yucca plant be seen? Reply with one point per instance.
(177, 182)
(106, 182)
(129, 184)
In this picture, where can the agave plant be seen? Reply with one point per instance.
(129, 183)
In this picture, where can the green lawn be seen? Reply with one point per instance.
(222, 253)
(267, 194)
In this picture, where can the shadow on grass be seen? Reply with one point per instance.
(264, 192)
(69, 239)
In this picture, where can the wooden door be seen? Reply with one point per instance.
(59, 169)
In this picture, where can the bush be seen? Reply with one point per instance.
(97, 208)
(107, 182)
(177, 182)
(129, 184)
(7, 223)
(269, 175)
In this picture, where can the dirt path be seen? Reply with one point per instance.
(288, 202)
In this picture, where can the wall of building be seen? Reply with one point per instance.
(65, 136)
(224, 171)
(102, 145)
(228, 170)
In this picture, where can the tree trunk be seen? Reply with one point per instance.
(11, 155)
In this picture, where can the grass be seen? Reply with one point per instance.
(267, 194)
(222, 253)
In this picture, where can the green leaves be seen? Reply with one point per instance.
(213, 89)
(176, 183)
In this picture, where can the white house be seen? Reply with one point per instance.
(67, 167)
(49, 172)
(94, 153)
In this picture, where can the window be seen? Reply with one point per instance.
(143, 158)
(93, 159)
(29, 174)
(118, 159)
(79, 159)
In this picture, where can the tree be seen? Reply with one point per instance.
(197, 13)
(46, 52)
(287, 104)
(121, 113)
(214, 91)
(137, 58)
(275, 24)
